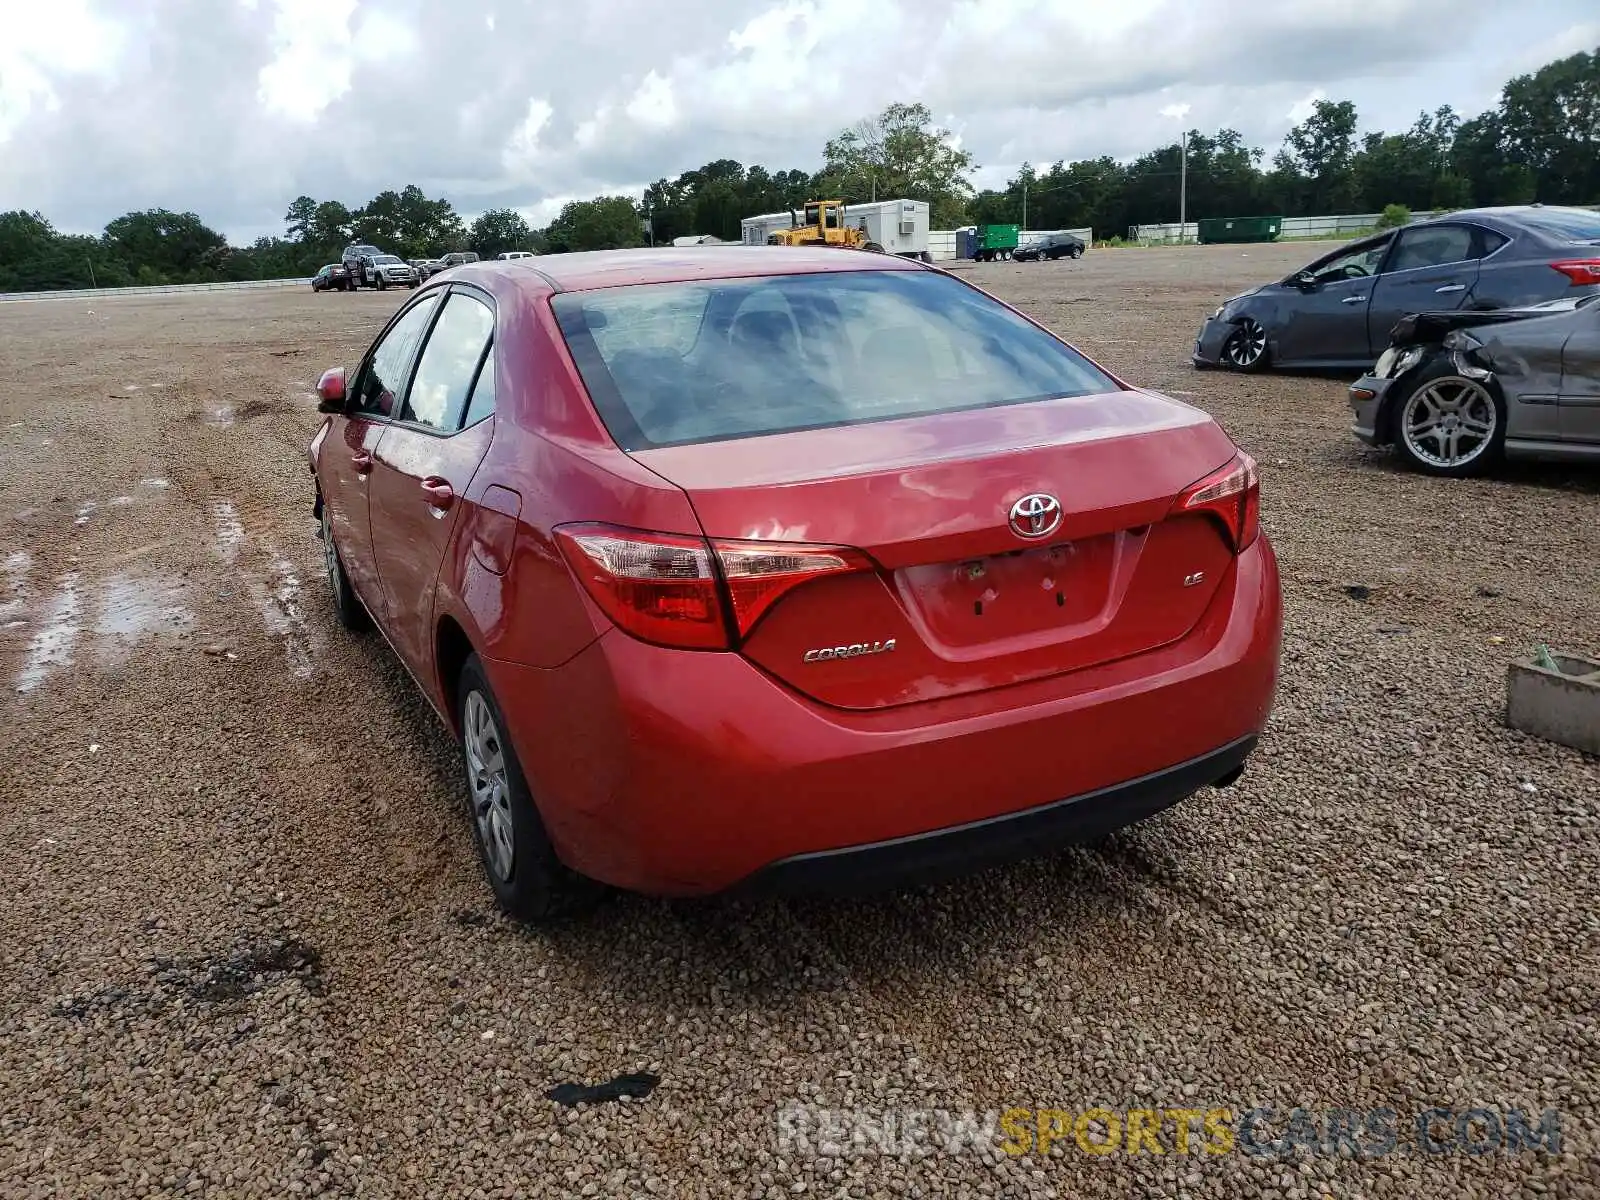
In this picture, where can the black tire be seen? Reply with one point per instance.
(1076, 252)
(383, 283)
(347, 605)
(531, 884)
(1247, 347)
(1486, 398)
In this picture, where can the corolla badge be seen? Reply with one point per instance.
(1035, 516)
(854, 650)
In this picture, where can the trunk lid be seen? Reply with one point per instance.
(960, 602)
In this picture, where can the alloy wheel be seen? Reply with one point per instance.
(490, 788)
(1449, 422)
(1247, 345)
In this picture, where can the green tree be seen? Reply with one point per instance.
(1323, 150)
(604, 223)
(499, 230)
(900, 153)
(175, 247)
(1550, 124)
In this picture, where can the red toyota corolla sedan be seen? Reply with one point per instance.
(785, 569)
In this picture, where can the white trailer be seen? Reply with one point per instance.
(899, 226)
(754, 231)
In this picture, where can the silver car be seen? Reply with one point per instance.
(1456, 391)
(1337, 312)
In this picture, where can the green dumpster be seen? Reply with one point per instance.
(990, 242)
(1239, 229)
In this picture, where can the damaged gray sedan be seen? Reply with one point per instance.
(1457, 391)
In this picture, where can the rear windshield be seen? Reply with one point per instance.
(1568, 224)
(675, 363)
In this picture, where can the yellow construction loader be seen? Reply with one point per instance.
(824, 225)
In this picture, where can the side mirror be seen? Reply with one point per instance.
(330, 391)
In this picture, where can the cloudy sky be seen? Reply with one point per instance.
(231, 108)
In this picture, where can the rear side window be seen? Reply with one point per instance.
(1566, 224)
(1432, 246)
(449, 362)
(676, 363)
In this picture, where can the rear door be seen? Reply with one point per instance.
(1433, 268)
(1580, 379)
(346, 460)
(424, 462)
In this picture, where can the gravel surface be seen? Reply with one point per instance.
(245, 949)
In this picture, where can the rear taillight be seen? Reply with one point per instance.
(688, 592)
(1231, 494)
(1579, 270)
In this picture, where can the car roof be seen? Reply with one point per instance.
(583, 270)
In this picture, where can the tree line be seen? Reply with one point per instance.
(1541, 142)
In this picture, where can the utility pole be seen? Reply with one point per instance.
(1183, 191)
(1024, 203)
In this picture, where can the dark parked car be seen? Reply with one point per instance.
(1338, 311)
(331, 278)
(353, 264)
(708, 590)
(1050, 247)
(457, 257)
(1456, 391)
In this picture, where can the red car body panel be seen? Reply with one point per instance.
(1143, 644)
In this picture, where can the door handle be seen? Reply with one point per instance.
(1450, 287)
(1354, 300)
(438, 494)
(362, 462)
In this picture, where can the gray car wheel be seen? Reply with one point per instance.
(1450, 426)
(1246, 347)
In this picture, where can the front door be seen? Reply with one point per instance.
(1433, 269)
(423, 464)
(347, 456)
(1326, 323)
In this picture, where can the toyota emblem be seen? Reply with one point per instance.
(1035, 516)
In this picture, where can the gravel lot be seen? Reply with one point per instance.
(245, 950)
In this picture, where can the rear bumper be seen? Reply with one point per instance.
(927, 857)
(680, 773)
(1367, 397)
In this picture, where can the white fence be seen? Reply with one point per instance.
(1347, 225)
(163, 290)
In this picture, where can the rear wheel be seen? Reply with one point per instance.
(528, 880)
(1246, 347)
(1076, 252)
(1450, 425)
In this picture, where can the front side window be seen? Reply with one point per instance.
(449, 362)
(384, 376)
(1355, 263)
(676, 363)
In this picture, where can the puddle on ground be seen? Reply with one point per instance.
(54, 644)
(230, 530)
(15, 569)
(219, 416)
(120, 501)
(84, 513)
(129, 608)
(156, 484)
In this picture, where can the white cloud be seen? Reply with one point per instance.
(232, 109)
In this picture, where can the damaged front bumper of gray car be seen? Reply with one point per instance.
(1213, 337)
(1369, 395)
